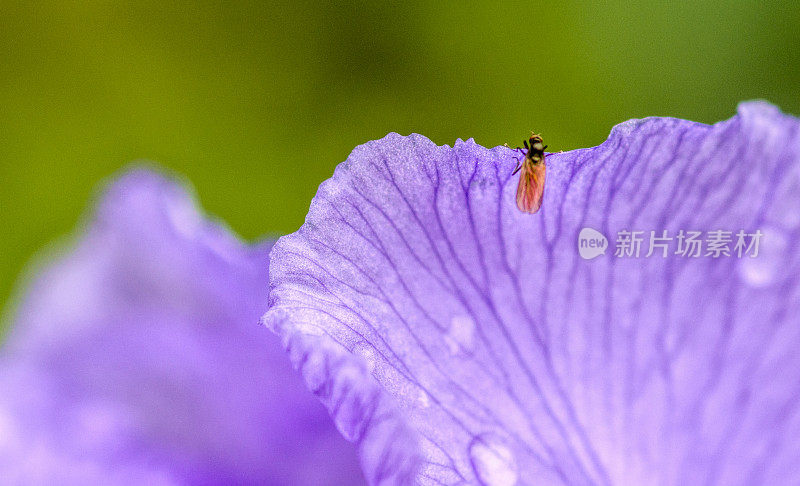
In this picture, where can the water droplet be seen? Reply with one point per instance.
(790, 219)
(423, 399)
(460, 336)
(765, 268)
(493, 461)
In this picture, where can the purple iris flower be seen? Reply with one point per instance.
(642, 328)
(137, 358)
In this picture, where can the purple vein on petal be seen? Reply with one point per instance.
(501, 357)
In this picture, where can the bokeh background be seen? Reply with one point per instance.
(256, 102)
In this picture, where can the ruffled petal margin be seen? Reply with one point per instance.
(457, 340)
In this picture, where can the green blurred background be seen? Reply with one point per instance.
(255, 103)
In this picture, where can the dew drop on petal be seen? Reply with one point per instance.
(790, 219)
(460, 336)
(423, 399)
(493, 461)
(762, 270)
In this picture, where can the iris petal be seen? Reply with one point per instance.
(456, 339)
(135, 358)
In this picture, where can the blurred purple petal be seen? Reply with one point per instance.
(445, 330)
(136, 358)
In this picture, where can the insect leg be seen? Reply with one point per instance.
(517, 149)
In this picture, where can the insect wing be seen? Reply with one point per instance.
(531, 187)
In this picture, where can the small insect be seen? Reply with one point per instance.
(531, 181)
